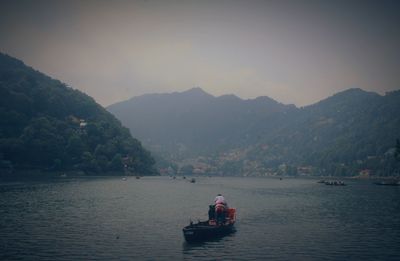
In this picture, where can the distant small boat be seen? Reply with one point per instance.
(192, 180)
(334, 183)
(388, 183)
(124, 178)
(63, 175)
(137, 177)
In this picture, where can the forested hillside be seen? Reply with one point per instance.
(344, 134)
(47, 125)
(350, 133)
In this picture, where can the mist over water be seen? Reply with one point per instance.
(109, 219)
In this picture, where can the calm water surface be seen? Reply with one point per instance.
(112, 219)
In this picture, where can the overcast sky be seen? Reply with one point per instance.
(292, 51)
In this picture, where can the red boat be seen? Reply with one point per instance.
(210, 229)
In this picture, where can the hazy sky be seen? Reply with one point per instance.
(292, 51)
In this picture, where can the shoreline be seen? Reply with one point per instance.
(32, 175)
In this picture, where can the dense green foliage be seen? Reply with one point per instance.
(49, 126)
(344, 134)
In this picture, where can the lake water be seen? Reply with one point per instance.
(142, 219)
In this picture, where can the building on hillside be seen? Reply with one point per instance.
(365, 173)
(82, 124)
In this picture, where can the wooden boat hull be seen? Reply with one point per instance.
(203, 231)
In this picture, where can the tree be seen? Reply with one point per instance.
(89, 163)
(75, 147)
(397, 152)
(187, 170)
(116, 163)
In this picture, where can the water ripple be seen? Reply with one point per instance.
(111, 219)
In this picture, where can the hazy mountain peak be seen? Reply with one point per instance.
(196, 91)
(355, 91)
(231, 97)
(265, 99)
(349, 96)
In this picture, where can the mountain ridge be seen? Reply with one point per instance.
(312, 135)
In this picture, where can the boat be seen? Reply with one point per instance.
(334, 183)
(210, 229)
(192, 180)
(388, 183)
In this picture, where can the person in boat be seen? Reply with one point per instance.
(211, 212)
(219, 199)
(221, 207)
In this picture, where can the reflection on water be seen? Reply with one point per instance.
(211, 250)
(142, 219)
